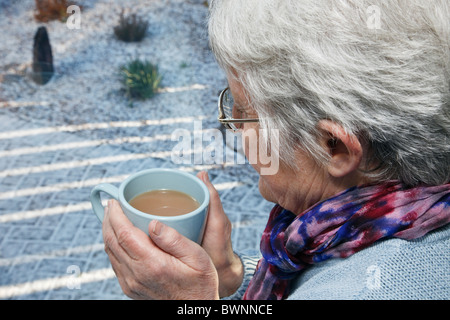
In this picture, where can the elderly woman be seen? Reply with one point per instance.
(359, 94)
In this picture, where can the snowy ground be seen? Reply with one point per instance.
(87, 61)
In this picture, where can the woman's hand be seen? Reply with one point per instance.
(217, 243)
(165, 265)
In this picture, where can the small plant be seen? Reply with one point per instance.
(47, 10)
(141, 79)
(131, 28)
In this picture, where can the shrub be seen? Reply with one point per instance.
(47, 10)
(141, 79)
(131, 28)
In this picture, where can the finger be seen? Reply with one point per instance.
(117, 217)
(220, 224)
(178, 246)
(109, 236)
(119, 269)
(124, 274)
(113, 249)
(124, 239)
(215, 205)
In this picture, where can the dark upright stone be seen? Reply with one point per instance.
(42, 57)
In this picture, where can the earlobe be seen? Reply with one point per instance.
(344, 149)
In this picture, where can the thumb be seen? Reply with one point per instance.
(176, 245)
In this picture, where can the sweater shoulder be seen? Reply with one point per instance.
(389, 269)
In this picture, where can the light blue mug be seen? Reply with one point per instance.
(190, 225)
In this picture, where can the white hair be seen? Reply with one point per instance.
(379, 68)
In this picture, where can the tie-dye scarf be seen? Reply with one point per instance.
(340, 227)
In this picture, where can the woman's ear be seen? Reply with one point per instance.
(344, 149)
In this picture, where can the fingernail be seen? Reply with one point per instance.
(205, 177)
(157, 227)
(106, 209)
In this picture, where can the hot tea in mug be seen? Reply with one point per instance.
(164, 203)
(176, 198)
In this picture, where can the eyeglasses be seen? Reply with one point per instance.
(226, 104)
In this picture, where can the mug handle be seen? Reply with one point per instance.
(96, 200)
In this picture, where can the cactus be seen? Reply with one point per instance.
(42, 57)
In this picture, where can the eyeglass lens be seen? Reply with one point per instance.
(227, 104)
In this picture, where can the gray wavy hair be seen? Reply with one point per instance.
(379, 68)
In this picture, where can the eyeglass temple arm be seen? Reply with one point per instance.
(237, 120)
(222, 117)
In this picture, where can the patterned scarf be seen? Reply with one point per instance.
(341, 226)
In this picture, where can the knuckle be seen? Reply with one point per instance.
(107, 249)
(124, 236)
(126, 290)
(133, 286)
(174, 241)
(171, 239)
(108, 239)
